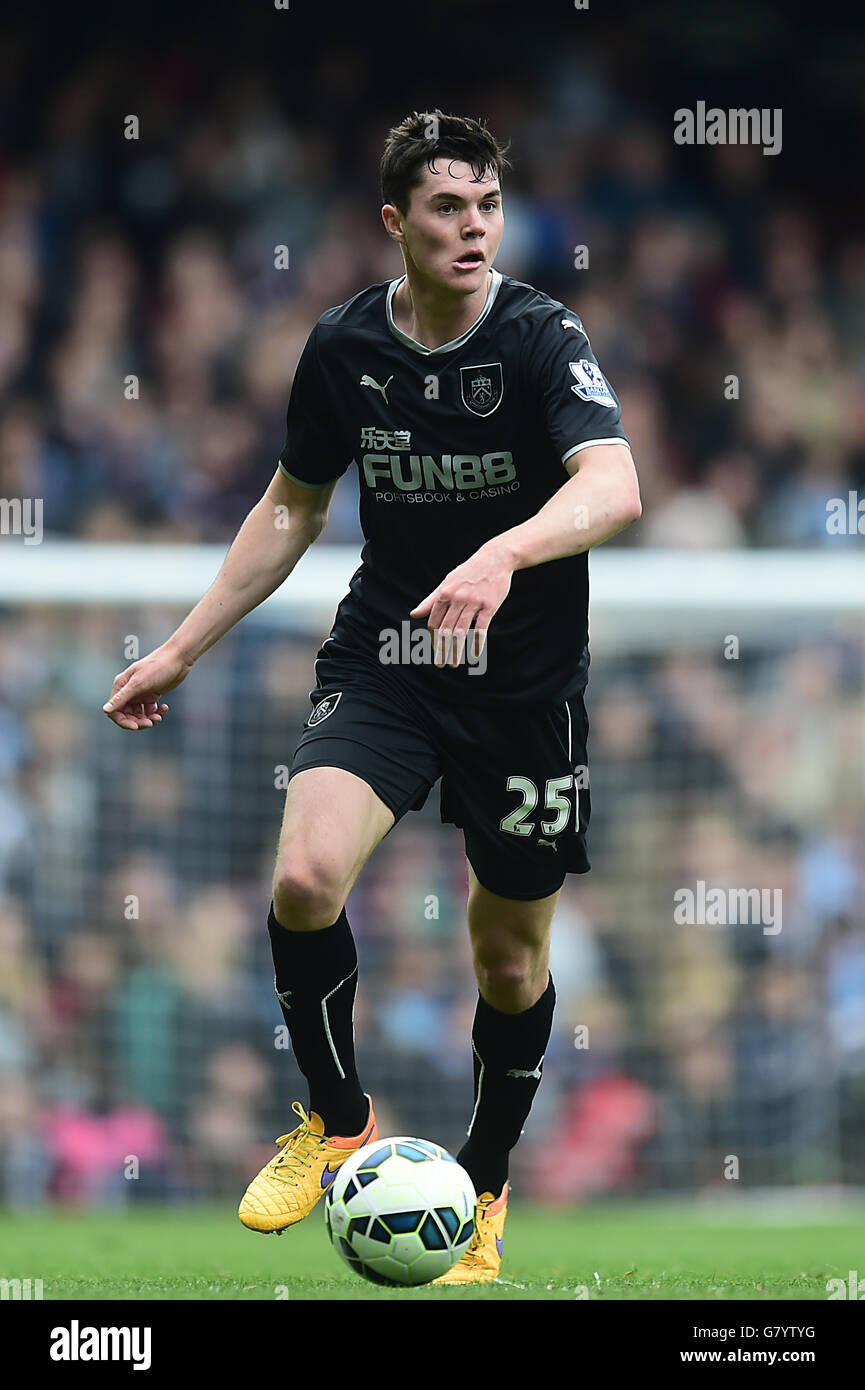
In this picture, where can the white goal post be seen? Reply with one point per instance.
(637, 596)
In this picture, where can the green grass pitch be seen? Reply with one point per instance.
(617, 1252)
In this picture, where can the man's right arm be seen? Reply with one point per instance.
(278, 530)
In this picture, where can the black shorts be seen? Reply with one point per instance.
(509, 777)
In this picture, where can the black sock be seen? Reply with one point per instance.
(316, 981)
(503, 1043)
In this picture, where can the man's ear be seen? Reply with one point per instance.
(392, 219)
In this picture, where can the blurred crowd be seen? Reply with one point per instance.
(142, 1052)
(148, 339)
(147, 345)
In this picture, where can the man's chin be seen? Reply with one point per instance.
(466, 279)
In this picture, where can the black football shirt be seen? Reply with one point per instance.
(454, 445)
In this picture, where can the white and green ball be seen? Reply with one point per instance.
(400, 1211)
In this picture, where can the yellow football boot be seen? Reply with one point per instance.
(483, 1259)
(288, 1187)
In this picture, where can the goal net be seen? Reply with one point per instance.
(710, 970)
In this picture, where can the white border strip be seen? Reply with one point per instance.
(589, 444)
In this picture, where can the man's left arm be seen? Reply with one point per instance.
(601, 498)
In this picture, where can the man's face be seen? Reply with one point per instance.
(453, 226)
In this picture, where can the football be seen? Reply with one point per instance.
(400, 1211)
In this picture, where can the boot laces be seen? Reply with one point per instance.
(474, 1255)
(300, 1146)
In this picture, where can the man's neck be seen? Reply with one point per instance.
(420, 310)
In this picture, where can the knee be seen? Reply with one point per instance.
(511, 981)
(308, 894)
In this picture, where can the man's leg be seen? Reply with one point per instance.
(332, 823)
(513, 1021)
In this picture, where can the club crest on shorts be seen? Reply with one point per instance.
(323, 709)
(482, 387)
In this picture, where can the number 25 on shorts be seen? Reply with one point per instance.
(515, 822)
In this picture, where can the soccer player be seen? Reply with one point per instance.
(491, 458)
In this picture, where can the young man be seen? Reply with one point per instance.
(491, 458)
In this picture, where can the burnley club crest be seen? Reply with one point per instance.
(481, 387)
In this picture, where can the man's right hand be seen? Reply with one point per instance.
(134, 699)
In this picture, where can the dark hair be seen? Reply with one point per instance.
(425, 136)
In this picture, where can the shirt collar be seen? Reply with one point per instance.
(495, 282)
